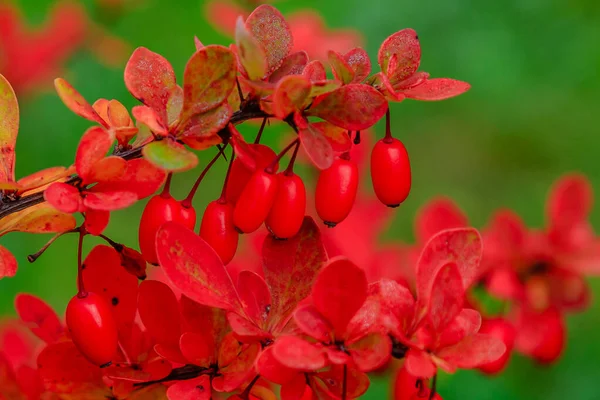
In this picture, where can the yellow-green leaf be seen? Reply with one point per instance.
(9, 128)
(170, 156)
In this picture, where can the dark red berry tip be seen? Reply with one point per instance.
(108, 364)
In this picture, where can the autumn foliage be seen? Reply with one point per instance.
(302, 311)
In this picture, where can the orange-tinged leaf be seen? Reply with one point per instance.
(117, 114)
(290, 95)
(63, 197)
(170, 156)
(195, 268)
(437, 89)
(9, 186)
(150, 118)
(208, 79)
(76, 102)
(268, 26)
(202, 143)
(317, 147)
(140, 177)
(250, 52)
(341, 70)
(42, 218)
(39, 317)
(93, 146)
(293, 64)
(8, 263)
(338, 137)
(42, 178)
(150, 78)
(108, 169)
(101, 107)
(109, 201)
(354, 107)
(315, 71)
(405, 48)
(9, 128)
(207, 124)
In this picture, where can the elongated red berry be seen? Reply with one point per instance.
(254, 204)
(93, 328)
(289, 206)
(218, 231)
(505, 331)
(240, 174)
(552, 343)
(336, 191)
(161, 209)
(390, 171)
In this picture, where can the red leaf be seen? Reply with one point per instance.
(255, 296)
(197, 350)
(290, 267)
(437, 215)
(108, 169)
(299, 354)
(339, 291)
(194, 267)
(239, 371)
(461, 246)
(192, 389)
(359, 61)
(437, 89)
(208, 79)
(65, 371)
(9, 129)
(404, 45)
(341, 70)
(8, 263)
(292, 65)
(250, 52)
(63, 197)
(315, 71)
(159, 312)
(357, 382)
(208, 321)
(338, 137)
(354, 107)
(39, 317)
(473, 351)
(109, 201)
(141, 177)
(371, 352)
(312, 323)
(93, 146)
(104, 275)
(447, 296)
(271, 369)
(243, 151)
(397, 305)
(317, 146)
(290, 95)
(269, 28)
(149, 117)
(208, 124)
(150, 78)
(246, 330)
(76, 102)
(466, 323)
(570, 202)
(419, 364)
(96, 221)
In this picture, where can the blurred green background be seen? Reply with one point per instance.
(531, 115)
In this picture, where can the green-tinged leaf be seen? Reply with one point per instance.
(208, 79)
(317, 147)
(170, 156)
(9, 128)
(290, 267)
(76, 102)
(149, 117)
(353, 107)
(338, 137)
(437, 89)
(341, 70)
(323, 87)
(8, 263)
(404, 48)
(207, 124)
(269, 27)
(150, 78)
(42, 218)
(290, 95)
(250, 52)
(359, 61)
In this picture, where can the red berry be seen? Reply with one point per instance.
(93, 328)
(240, 174)
(336, 191)
(505, 331)
(289, 206)
(390, 171)
(218, 231)
(161, 209)
(254, 204)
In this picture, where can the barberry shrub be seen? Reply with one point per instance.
(311, 305)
